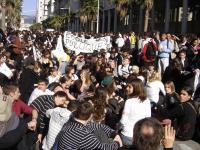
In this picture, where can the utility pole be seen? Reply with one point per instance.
(97, 17)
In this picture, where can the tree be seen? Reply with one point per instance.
(122, 7)
(14, 12)
(11, 9)
(56, 21)
(36, 26)
(3, 5)
(88, 11)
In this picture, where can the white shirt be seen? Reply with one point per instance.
(153, 90)
(4, 69)
(37, 92)
(134, 110)
(120, 42)
(58, 117)
(52, 79)
(124, 69)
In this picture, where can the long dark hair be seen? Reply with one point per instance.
(138, 89)
(99, 101)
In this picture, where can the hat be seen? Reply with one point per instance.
(107, 80)
(5, 108)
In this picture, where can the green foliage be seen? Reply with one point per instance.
(122, 6)
(36, 26)
(55, 21)
(13, 12)
(88, 10)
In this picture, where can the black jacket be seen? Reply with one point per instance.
(186, 120)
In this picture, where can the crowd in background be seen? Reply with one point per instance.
(126, 97)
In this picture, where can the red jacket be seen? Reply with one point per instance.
(19, 107)
(144, 57)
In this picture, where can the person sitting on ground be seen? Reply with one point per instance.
(12, 128)
(185, 115)
(40, 90)
(40, 105)
(58, 117)
(76, 134)
(18, 106)
(54, 75)
(149, 135)
(171, 98)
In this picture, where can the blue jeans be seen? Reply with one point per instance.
(63, 66)
(127, 141)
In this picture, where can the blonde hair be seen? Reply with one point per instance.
(154, 76)
(171, 85)
(87, 75)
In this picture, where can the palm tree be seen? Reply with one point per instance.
(148, 4)
(12, 10)
(88, 11)
(3, 5)
(122, 7)
(56, 22)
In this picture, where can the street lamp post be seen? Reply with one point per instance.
(97, 17)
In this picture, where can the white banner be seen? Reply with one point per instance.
(59, 51)
(36, 54)
(80, 44)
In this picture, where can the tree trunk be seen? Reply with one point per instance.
(109, 20)
(153, 17)
(3, 12)
(146, 20)
(131, 18)
(92, 26)
(103, 22)
(115, 21)
(140, 19)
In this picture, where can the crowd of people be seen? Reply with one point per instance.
(143, 93)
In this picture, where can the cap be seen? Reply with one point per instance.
(107, 80)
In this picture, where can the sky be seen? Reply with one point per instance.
(29, 7)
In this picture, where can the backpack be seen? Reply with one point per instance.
(151, 51)
(196, 107)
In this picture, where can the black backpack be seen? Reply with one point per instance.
(151, 51)
(196, 107)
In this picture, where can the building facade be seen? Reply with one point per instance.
(51, 8)
(42, 10)
(165, 16)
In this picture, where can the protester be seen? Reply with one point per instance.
(185, 115)
(40, 105)
(18, 106)
(12, 128)
(110, 72)
(155, 87)
(76, 135)
(133, 110)
(40, 90)
(165, 49)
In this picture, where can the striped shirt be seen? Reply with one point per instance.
(42, 104)
(75, 135)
